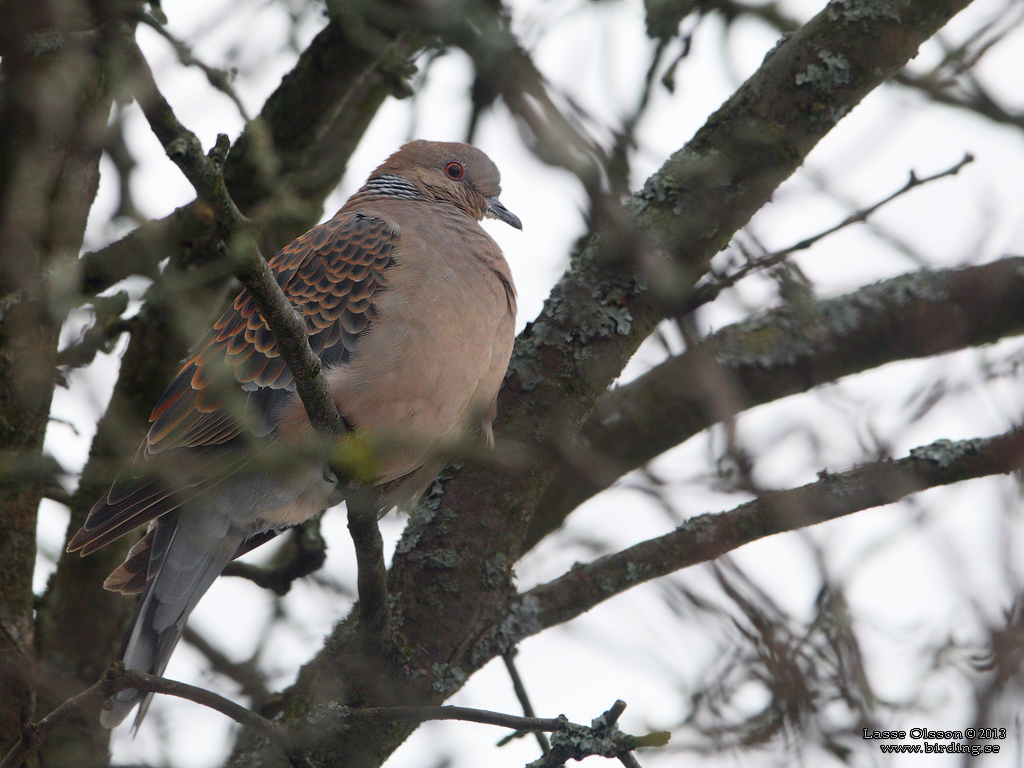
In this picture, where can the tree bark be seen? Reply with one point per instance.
(55, 98)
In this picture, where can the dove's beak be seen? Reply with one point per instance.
(495, 210)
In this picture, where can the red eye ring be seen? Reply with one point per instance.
(454, 170)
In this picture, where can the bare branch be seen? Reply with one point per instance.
(569, 742)
(375, 620)
(708, 291)
(708, 536)
(34, 734)
(116, 679)
(141, 250)
(218, 78)
(912, 316)
(380, 715)
(140, 681)
(974, 98)
(954, 81)
(245, 674)
(102, 335)
(577, 741)
(517, 684)
(205, 174)
(303, 554)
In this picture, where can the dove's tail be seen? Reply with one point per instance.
(188, 549)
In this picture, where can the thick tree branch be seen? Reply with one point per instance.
(56, 91)
(141, 250)
(779, 353)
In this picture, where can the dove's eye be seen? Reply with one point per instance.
(454, 171)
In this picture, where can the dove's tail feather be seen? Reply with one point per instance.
(191, 546)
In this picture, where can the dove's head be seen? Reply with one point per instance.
(454, 173)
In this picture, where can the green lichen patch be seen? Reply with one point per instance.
(833, 73)
(945, 453)
(865, 10)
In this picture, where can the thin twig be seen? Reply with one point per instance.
(116, 679)
(245, 674)
(976, 99)
(517, 684)
(218, 78)
(709, 291)
(154, 684)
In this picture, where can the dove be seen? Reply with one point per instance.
(410, 306)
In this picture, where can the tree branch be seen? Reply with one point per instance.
(218, 78)
(297, 149)
(282, 166)
(708, 291)
(205, 174)
(569, 742)
(102, 335)
(509, 657)
(303, 554)
(141, 250)
(245, 674)
(375, 621)
(116, 679)
(708, 536)
(600, 738)
(915, 315)
(974, 98)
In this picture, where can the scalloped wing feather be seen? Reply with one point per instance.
(331, 275)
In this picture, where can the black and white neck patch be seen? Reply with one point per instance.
(392, 186)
